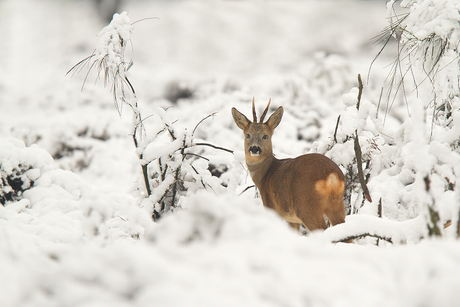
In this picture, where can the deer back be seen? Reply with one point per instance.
(309, 182)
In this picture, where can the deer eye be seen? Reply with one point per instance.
(248, 136)
(265, 137)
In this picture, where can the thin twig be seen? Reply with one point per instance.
(386, 35)
(458, 225)
(144, 167)
(247, 188)
(130, 85)
(196, 155)
(362, 235)
(202, 120)
(357, 147)
(215, 147)
(86, 75)
(379, 214)
(79, 64)
(360, 93)
(335, 131)
(378, 105)
(359, 164)
(201, 178)
(142, 19)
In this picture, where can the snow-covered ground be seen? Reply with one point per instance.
(80, 236)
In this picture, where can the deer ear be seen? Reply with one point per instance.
(275, 118)
(240, 120)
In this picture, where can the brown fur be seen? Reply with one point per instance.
(302, 190)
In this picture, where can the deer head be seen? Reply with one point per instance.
(258, 135)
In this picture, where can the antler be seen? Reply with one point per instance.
(254, 111)
(265, 111)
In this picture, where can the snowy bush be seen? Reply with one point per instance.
(32, 186)
(429, 46)
(411, 172)
(355, 143)
(428, 52)
(20, 167)
(167, 170)
(431, 36)
(174, 169)
(408, 176)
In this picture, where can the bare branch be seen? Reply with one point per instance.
(357, 147)
(142, 19)
(247, 188)
(360, 93)
(196, 155)
(359, 164)
(202, 120)
(79, 65)
(363, 235)
(336, 127)
(214, 146)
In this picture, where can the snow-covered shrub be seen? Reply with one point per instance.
(174, 169)
(20, 167)
(428, 51)
(412, 171)
(408, 176)
(167, 170)
(59, 205)
(355, 142)
(32, 188)
(416, 174)
(109, 59)
(432, 36)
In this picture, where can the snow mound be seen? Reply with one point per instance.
(225, 251)
(58, 205)
(209, 218)
(20, 167)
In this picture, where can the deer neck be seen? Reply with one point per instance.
(259, 169)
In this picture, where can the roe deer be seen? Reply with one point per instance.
(302, 190)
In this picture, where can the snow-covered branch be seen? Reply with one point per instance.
(363, 225)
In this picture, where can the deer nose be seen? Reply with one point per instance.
(255, 151)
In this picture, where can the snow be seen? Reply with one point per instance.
(222, 251)
(441, 16)
(77, 230)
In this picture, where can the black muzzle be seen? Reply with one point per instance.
(255, 150)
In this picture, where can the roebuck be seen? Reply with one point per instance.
(302, 190)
